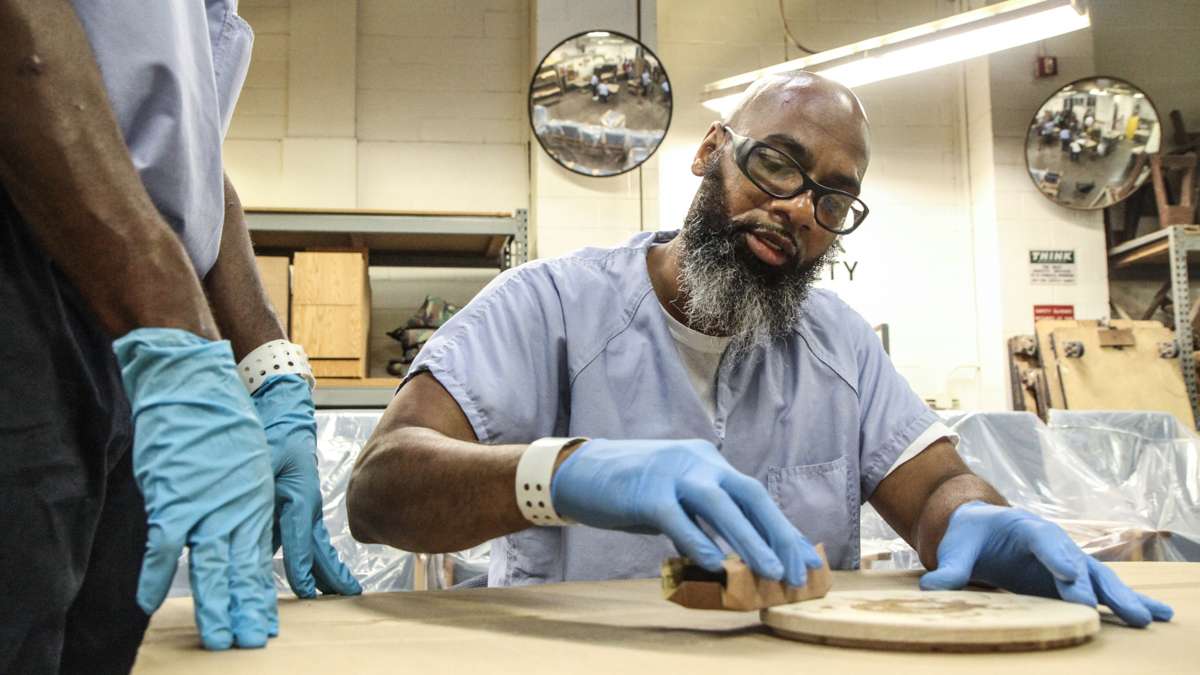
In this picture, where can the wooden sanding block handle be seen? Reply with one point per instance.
(736, 588)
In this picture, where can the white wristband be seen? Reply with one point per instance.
(534, 472)
(277, 357)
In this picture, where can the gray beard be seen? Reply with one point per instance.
(728, 290)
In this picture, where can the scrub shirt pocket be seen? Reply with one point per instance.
(818, 501)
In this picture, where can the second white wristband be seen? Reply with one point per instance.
(534, 472)
(277, 357)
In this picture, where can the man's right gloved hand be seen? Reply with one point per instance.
(662, 486)
(203, 465)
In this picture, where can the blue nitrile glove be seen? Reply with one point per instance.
(204, 469)
(1020, 552)
(662, 486)
(285, 406)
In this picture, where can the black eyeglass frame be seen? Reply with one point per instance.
(743, 146)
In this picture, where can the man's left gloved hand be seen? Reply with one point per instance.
(285, 407)
(1020, 552)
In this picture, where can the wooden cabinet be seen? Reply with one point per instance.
(331, 311)
(330, 307)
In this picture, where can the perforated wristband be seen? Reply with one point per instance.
(534, 472)
(277, 357)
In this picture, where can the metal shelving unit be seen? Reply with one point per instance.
(398, 238)
(372, 392)
(393, 239)
(1170, 245)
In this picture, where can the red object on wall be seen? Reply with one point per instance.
(1047, 66)
(1053, 312)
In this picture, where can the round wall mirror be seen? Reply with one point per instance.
(1088, 145)
(600, 103)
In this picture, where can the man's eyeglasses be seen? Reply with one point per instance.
(777, 174)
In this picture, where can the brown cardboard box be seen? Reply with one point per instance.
(331, 311)
(274, 272)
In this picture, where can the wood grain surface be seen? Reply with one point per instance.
(627, 627)
(913, 620)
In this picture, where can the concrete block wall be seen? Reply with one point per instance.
(441, 105)
(382, 104)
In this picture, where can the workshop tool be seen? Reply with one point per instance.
(735, 587)
(954, 621)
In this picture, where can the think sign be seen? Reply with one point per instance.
(1052, 267)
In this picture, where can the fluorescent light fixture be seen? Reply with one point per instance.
(957, 38)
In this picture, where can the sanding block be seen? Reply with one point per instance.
(735, 587)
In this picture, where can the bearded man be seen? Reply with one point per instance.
(596, 413)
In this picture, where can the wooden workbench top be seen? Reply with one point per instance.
(624, 627)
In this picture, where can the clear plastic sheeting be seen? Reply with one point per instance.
(341, 435)
(1124, 485)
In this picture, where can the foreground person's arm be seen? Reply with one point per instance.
(284, 405)
(199, 455)
(964, 531)
(423, 470)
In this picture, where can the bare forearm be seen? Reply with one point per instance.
(419, 490)
(65, 165)
(239, 301)
(931, 526)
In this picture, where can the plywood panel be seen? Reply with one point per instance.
(329, 278)
(330, 331)
(1121, 378)
(354, 368)
(1046, 355)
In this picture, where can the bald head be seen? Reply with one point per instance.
(802, 101)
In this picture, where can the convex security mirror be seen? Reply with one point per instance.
(1088, 145)
(600, 103)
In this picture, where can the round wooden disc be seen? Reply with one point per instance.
(963, 621)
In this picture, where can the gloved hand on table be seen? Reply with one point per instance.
(285, 406)
(203, 466)
(1021, 552)
(662, 486)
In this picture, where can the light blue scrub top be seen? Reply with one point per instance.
(579, 346)
(173, 70)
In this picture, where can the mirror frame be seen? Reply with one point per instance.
(529, 101)
(1029, 126)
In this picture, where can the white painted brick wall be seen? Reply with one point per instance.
(437, 102)
(261, 111)
(441, 105)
